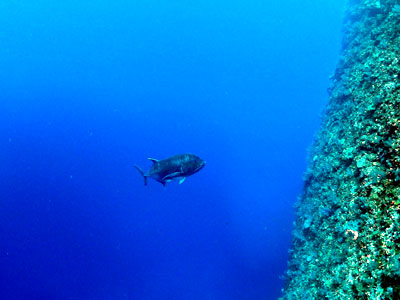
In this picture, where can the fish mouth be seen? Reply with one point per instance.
(201, 166)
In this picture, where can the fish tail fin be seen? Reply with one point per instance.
(142, 173)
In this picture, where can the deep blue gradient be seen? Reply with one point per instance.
(90, 88)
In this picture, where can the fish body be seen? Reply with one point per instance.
(175, 167)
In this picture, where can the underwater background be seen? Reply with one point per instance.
(90, 88)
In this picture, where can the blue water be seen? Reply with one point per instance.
(90, 88)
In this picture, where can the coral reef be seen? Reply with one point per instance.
(346, 237)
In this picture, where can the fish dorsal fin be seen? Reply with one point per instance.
(153, 160)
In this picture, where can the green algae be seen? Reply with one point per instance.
(346, 237)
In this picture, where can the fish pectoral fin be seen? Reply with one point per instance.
(153, 160)
(171, 176)
(182, 180)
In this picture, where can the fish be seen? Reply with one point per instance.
(176, 167)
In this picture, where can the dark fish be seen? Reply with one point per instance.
(175, 167)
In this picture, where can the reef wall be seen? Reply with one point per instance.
(346, 237)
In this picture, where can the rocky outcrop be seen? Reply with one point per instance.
(346, 237)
